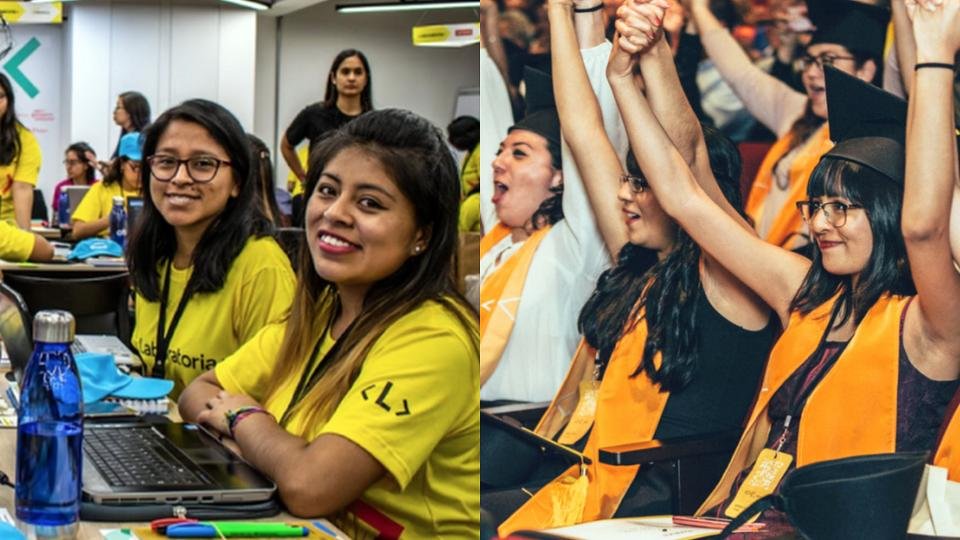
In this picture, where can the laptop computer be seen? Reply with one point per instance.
(15, 329)
(75, 194)
(102, 343)
(165, 464)
(134, 209)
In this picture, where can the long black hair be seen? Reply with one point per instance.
(464, 133)
(266, 188)
(667, 291)
(887, 270)
(154, 240)
(9, 138)
(366, 95)
(138, 108)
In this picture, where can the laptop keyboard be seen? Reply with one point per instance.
(136, 457)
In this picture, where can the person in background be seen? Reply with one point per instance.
(132, 114)
(363, 405)
(79, 170)
(18, 245)
(464, 135)
(206, 272)
(266, 189)
(20, 160)
(92, 216)
(348, 95)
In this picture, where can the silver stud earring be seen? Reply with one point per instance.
(416, 249)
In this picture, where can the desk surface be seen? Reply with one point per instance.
(47, 268)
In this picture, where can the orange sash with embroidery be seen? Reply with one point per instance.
(628, 411)
(948, 454)
(788, 220)
(851, 412)
(500, 295)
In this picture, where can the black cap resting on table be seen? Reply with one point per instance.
(857, 26)
(867, 124)
(541, 114)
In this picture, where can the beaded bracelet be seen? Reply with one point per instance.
(933, 65)
(234, 416)
(589, 9)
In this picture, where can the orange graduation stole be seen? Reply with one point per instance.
(851, 412)
(500, 294)
(948, 453)
(788, 220)
(628, 411)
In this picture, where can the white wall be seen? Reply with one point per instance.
(424, 80)
(167, 50)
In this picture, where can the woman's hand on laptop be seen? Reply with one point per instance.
(222, 408)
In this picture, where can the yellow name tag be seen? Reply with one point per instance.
(583, 415)
(767, 472)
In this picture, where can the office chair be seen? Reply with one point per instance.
(98, 303)
(290, 239)
(39, 206)
(15, 329)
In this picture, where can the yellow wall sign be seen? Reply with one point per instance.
(30, 13)
(446, 35)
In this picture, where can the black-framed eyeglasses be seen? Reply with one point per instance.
(72, 162)
(825, 59)
(200, 169)
(638, 184)
(835, 212)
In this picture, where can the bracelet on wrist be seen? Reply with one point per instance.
(590, 9)
(942, 65)
(234, 416)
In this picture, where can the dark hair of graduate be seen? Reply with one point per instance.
(366, 95)
(667, 290)
(414, 154)
(154, 241)
(9, 138)
(887, 270)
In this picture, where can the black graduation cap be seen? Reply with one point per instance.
(541, 113)
(867, 124)
(857, 26)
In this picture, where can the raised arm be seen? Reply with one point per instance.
(581, 120)
(668, 102)
(771, 101)
(904, 47)
(931, 171)
(773, 273)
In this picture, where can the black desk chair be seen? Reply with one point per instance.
(98, 303)
(290, 239)
(39, 207)
(15, 329)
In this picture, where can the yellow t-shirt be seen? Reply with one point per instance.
(470, 171)
(98, 202)
(257, 291)
(414, 407)
(15, 244)
(470, 214)
(303, 154)
(24, 168)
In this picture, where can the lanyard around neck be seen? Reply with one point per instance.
(163, 340)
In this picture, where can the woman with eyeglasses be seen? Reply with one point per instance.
(20, 159)
(850, 37)
(658, 343)
(122, 179)
(870, 356)
(80, 172)
(207, 272)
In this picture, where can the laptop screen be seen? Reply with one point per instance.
(75, 194)
(14, 328)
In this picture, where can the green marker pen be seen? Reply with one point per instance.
(257, 529)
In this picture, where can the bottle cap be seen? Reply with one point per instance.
(117, 199)
(53, 326)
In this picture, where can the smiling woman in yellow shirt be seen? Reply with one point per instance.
(202, 258)
(377, 366)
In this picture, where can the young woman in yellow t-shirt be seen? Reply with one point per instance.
(122, 179)
(363, 405)
(207, 272)
(19, 162)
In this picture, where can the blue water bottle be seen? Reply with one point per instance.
(50, 431)
(63, 209)
(118, 222)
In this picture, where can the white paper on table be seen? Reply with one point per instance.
(5, 516)
(642, 528)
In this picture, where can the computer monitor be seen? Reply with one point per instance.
(134, 209)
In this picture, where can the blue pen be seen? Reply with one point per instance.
(12, 398)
